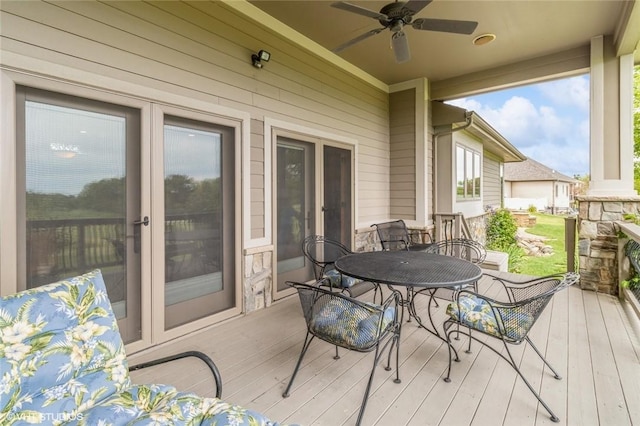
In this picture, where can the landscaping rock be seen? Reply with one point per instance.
(533, 245)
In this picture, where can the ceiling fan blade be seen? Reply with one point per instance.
(445, 25)
(357, 39)
(416, 6)
(400, 46)
(359, 10)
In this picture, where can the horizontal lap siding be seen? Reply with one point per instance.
(202, 50)
(491, 185)
(403, 154)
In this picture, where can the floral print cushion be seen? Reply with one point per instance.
(164, 405)
(476, 313)
(63, 362)
(60, 348)
(341, 281)
(349, 325)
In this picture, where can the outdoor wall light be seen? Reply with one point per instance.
(258, 58)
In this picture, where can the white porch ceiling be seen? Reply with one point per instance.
(555, 34)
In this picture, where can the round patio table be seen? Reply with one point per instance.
(417, 271)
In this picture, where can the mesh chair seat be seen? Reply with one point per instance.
(504, 322)
(349, 323)
(509, 321)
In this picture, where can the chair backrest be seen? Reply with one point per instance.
(323, 252)
(345, 321)
(632, 250)
(393, 235)
(462, 248)
(519, 292)
(530, 300)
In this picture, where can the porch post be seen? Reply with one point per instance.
(610, 195)
(611, 121)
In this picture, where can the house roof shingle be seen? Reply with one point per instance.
(531, 170)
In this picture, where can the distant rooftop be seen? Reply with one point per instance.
(531, 170)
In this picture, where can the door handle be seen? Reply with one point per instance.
(136, 232)
(144, 221)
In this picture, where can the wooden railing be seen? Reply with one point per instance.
(451, 225)
(64, 246)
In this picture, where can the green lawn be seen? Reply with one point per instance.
(552, 227)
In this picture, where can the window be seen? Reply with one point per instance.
(468, 173)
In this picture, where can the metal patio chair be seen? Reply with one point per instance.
(509, 321)
(462, 248)
(394, 236)
(322, 253)
(351, 324)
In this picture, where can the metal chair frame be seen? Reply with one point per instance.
(394, 235)
(525, 298)
(462, 248)
(323, 252)
(313, 298)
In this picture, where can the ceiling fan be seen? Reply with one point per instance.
(395, 16)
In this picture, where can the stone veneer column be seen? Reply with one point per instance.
(598, 240)
(258, 278)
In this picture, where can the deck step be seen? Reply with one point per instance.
(496, 261)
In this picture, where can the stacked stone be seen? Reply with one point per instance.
(598, 240)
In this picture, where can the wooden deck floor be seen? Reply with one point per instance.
(591, 339)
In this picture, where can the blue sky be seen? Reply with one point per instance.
(548, 122)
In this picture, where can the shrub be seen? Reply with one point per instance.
(501, 230)
(516, 258)
(532, 209)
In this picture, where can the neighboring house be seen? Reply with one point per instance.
(531, 183)
(142, 139)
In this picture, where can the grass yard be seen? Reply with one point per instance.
(552, 227)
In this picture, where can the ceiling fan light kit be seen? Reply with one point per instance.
(395, 16)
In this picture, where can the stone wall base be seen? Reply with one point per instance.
(599, 240)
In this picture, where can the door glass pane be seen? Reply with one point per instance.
(295, 210)
(337, 194)
(195, 284)
(75, 202)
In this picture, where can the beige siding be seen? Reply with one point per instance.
(202, 50)
(491, 187)
(402, 118)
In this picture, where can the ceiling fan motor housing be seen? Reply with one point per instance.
(397, 13)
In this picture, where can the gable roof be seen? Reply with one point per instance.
(531, 170)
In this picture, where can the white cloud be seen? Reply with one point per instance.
(551, 133)
(571, 92)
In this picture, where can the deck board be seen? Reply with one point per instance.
(589, 338)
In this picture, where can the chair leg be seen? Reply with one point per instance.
(337, 356)
(305, 346)
(554, 418)
(376, 358)
(555, 373)
(447, 324)
(395, 341)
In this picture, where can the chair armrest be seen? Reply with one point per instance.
(523, 289)
(205, 358)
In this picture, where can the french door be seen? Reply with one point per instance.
(84, 173)
(199, 219)
(309, 200)
(79, 197)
